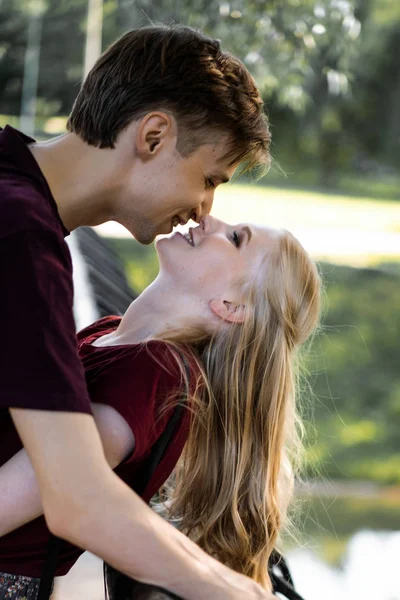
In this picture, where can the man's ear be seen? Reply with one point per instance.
(229, 311)
(153, 131)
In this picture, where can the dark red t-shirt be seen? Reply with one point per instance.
(39, 363)
(135, 380)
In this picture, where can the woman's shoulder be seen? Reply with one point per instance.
(100, 326)
(160, 364)
(175, 362)
(136, 371)
(133, 373)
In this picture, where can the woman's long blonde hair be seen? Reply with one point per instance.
(233, 484)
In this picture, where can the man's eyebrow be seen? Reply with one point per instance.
(248, 231)
(222, 177)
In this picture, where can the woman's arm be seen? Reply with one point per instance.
(19, 491)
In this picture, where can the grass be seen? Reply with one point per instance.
(367, 185)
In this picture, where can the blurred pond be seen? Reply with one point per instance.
(350, 549)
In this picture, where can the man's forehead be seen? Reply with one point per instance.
(219, 149)
(215, 162)
(223, 171)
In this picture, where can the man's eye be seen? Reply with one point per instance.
(236, 239)
(209, 183)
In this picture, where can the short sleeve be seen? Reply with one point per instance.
(40, 367)
(138, 383)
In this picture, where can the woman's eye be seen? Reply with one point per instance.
(236, 239)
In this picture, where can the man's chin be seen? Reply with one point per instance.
(162, 231)
(144, 240)
(144, 237)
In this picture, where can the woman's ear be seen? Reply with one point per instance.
(229, 311)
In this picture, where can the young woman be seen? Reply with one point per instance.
(235, 304)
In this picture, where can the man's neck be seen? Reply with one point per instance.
(78, 183)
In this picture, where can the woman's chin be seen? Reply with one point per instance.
(159, 243)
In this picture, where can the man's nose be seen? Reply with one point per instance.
(207, 203)
(205, 207)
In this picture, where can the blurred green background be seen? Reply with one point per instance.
(329, 72)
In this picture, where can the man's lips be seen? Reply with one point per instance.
(178, 220)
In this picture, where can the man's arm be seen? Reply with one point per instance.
(87, 504)
(20, 500)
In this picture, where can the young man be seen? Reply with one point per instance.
(162, 119)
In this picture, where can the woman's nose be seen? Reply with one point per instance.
(209, 224)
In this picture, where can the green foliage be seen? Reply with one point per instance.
(278, 43)
(141, 262)
(356, 376)
(13, 29)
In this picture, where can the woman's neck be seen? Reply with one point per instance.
(159, 309)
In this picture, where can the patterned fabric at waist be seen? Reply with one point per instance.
(18, 587)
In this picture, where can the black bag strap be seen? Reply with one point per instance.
(156, 455)
(281, 586)
(49, 568)
(159, 449)
(282, 583)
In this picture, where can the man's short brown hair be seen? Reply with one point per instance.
(180, 70)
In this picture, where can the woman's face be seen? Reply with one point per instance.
(214, 257)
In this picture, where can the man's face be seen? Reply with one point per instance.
(168, 189)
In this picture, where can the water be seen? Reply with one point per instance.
(370, 571)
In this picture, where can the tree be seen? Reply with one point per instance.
(13, 29)
(276, 40)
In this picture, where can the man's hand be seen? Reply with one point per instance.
(233, 586)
